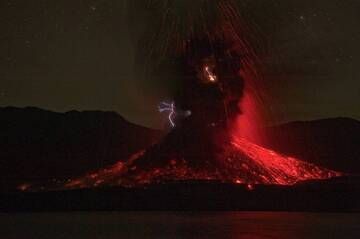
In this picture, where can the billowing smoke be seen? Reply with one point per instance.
(211, 85)
(196, 50)
(184, 43)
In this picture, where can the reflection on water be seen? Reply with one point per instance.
(117, 225)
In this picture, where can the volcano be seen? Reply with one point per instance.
(210, 68)
(178, 159)
(202, 144)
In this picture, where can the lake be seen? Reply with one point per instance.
(118, 225)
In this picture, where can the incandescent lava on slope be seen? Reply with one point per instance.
(242, 162)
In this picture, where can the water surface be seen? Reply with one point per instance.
(117, 225)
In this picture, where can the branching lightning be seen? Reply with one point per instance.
(168, 107)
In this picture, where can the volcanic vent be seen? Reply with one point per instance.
(201, 146)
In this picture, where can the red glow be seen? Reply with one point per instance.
(23, 187)
(242, 163)
(247, 123)
(250, 187)
(280, 169)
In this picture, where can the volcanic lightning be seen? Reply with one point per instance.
(170, 108)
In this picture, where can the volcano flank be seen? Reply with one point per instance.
(196, 158)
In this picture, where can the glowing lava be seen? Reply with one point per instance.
(272, 168)
(211, 76)
(243, 162)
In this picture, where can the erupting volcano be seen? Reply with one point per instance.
(202, 143)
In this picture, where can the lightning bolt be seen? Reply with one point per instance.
(168, 107)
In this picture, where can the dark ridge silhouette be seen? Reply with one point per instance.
(37, 144)
(333, 143)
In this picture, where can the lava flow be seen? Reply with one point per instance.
(242, 163)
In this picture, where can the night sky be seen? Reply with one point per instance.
(79, 55)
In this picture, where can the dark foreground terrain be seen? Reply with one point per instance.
(340, 194)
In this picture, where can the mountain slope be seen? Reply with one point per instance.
(332, 143)
(36, 144)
